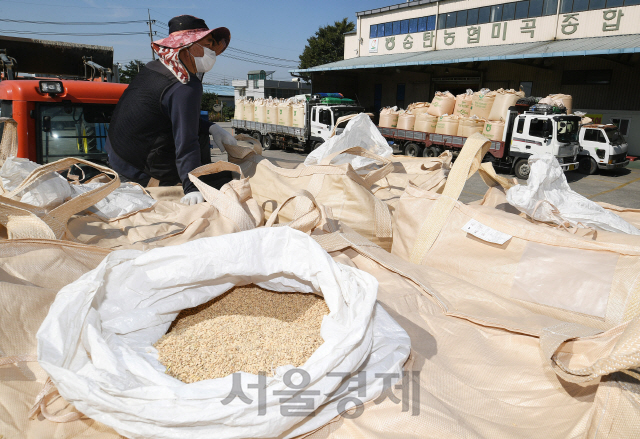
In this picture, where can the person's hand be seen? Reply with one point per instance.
(221, 137)
(192, 198)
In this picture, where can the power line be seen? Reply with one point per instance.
(72, 33)
(255, 61)
(73, 23)
(244, 52)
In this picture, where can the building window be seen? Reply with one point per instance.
(550, 7)
(597, 4)
(461, 19)
(622, 124)
(566, 6)
(586, 77)
(522, 10)
(373, 31)
(508, 11)
(580, 5)
(614, 3)
(496, 13)
(381, 30)
(388, 29)
(396, 28)
(535, 8)
(451, 20)
(472, 17)
(631, 2)
(484, 15)
(404, 26)
(422, 24)
(400, 95)
(413, 25)
(431, 22)
(442, 18)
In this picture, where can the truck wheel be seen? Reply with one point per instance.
(432, 151)
(412, 150)
(588, 166)
(267, 142)
(522, 169)
(256, 135)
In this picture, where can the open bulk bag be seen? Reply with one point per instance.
(418, 108)
(389, 117)
(545, 269)
(228, 210)
(426, 123)
(297, 117)
(464, 102)
(482, 102)
(272, 112)
(493, 129)
(260, 111)
(285, 114)
(504, 99)
(359, 131)
(96, 341)
(338, 187)
(565, 100)
(447, 125)
(442, 103)
(484, 365)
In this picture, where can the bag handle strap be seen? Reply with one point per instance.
(467, 163)
(618, 350)
(26, 221)
(492, 179)
(305, 222)
(372, 176)
(228, 206)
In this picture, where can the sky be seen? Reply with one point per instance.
(271, 28)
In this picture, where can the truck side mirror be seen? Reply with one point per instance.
(46, 124)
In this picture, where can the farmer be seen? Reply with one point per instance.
(156, 130)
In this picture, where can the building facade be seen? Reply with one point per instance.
(404, 53)
(258, 85)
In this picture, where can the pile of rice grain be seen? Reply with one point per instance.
(247, 329)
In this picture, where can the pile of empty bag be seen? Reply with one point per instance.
(353, 296)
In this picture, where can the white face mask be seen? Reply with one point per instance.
(205, 63)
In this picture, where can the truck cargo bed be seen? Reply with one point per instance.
(267, 128)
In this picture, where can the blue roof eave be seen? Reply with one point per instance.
(529, 50)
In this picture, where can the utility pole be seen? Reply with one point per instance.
(153, 54)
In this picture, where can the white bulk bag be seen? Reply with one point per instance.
(50, 192)
(547, 197)
(128, 198)
(96, 341)
(360, 131)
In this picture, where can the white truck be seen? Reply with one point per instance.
(321, 114)
(525, 133)
(603, 147)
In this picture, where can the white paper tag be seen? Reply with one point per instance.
(485, 233)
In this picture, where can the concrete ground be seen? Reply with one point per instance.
(619, 187)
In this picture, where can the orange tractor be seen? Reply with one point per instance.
(62, 99)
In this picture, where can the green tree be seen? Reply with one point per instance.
(130, 70)
(326, 46)
(208, 100)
